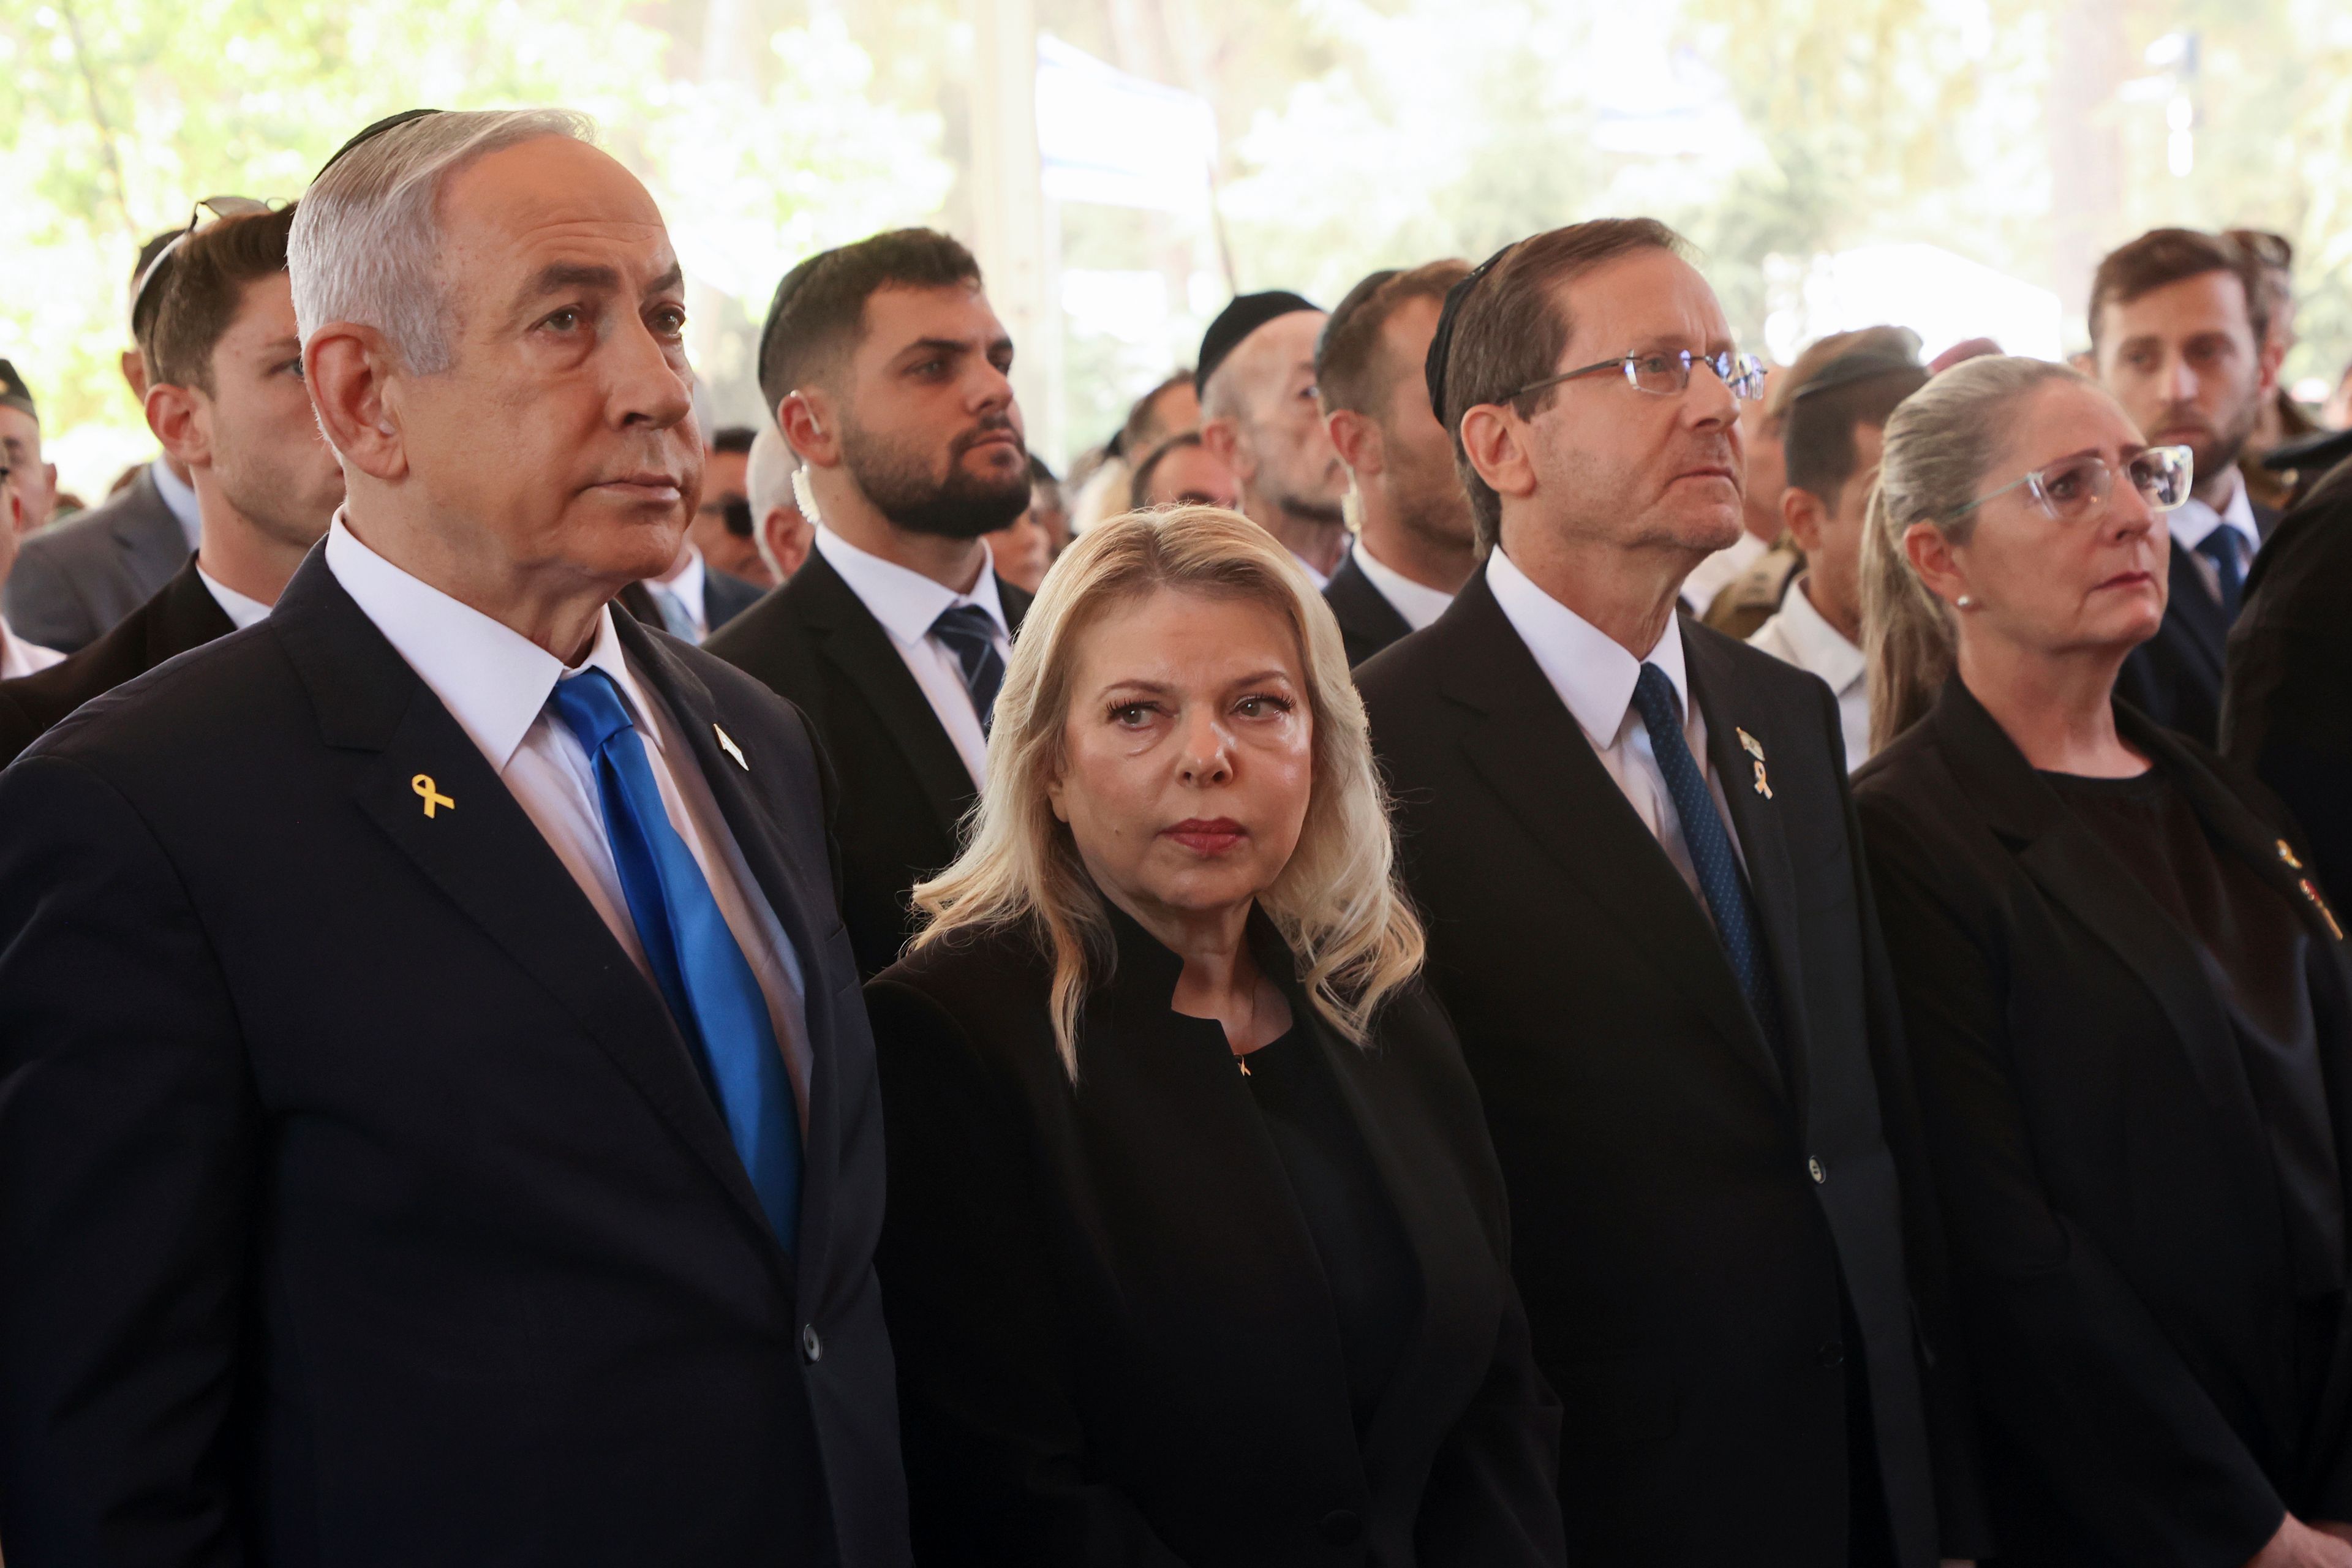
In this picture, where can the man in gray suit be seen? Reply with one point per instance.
(75, 580)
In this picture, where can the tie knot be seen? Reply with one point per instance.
(590, 706)
(965, 621)
(1654, 695)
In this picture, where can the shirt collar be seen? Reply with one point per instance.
(180, 498)
(243, 610)
(2193, 520)
(1417, 603)
(904, 600)
(1593, 673)
(1819, 646)
(686, 584)
(493, 680)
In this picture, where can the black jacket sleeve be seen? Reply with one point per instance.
(127, 1171)
(1492, 1495)
(2072, 1366)
(996, 1452)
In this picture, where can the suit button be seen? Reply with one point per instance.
(1829, 1354)
(1815, 1169)
(1342, 1528)
(811, 1348)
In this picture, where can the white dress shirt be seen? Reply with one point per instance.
(1715, 573)
(2192, 520)
(495, 683)
(1416, 602)
(907, 603)
(179, 496)
(1799, 635)
(1594, 677)
(1315, 574)
(242, 609)
(687, 587)
(18, 656)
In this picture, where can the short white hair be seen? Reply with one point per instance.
(768, 485)
(367, 235)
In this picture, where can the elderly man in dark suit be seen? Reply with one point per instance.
(888, 373)
(1633, 845)
(438, 1120)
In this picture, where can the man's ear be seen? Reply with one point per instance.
(181, 419)
(1495, 441)
(1221, 439)
(811, 423)
(2273, 354)
(788, 536)
(1359, 442)
(1804, 512)
(349, 368)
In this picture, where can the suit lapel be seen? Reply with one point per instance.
(187, 616)
(149, 533)
(488, 858)
(1362, 608)
(1729, 706)
(1534, 756)
(854, 642)
(800, 899)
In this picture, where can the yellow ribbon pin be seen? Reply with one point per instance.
(1763, 784)
(423, 785)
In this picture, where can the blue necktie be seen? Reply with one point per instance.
(2220, 547)
(970, 633)
(1725, 890)
(702, 974)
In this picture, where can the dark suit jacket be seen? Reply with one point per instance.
(75, 580)
(2174, 676)
(359, 1202)
(2113, 1215)
(2288, 716)
(726, 596)
(1368, 622)
(904, 786)
(183, 616)
(1116, 1344)
(1695, 1233)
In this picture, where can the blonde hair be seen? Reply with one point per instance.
(1335, 904)
(1939, 443)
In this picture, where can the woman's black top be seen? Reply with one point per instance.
(1367, 1263)
(2256, 951)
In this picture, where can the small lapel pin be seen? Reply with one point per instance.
(1750, 744)
(423, 785)
(727, 744)
(2321, 905)
(2287, 855)
(1763, 784)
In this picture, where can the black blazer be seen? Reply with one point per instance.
(1684, 1215)
(185, 615)
(2174, 676)
(1115, 1341)
(725, 596)
(2114, 1223)
(2288, 713)
(347, 1154)
(1368, 622)
(904, 786)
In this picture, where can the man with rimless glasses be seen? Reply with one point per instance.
(1647, 914)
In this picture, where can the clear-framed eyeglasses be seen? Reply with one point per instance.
(2079, 486)
(1667, 374)
(219, 207)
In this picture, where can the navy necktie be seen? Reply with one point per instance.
(2220, 547)
(970, 633)
(697, 962)
(1719, 879)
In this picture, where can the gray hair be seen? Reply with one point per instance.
(768, 484)
(1939, 443)
(367, 233)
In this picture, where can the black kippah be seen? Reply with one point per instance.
(13, 393)
(1862, 364)
(388, 122)
(1432, 369)
(1246, 314)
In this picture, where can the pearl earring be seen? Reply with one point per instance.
(1965, 603)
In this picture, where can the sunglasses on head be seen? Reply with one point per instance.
(219, 207)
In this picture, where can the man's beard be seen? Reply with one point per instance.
(2220, 446)
(963, 506)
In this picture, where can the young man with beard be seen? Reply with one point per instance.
(227, 402)
(1261, 419)
(1416, 542)
(888, 373)
(2182, 337)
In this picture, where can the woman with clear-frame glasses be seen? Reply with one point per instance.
(2126, 1003)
